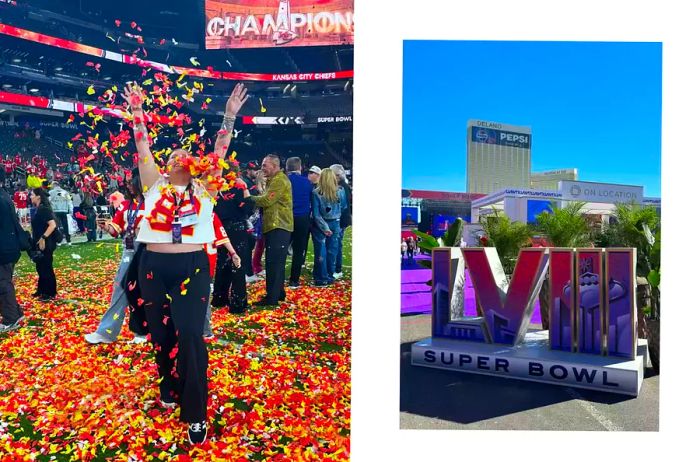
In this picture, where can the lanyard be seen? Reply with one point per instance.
(131, 216)
(178, 201)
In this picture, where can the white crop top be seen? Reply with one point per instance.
(159, 206)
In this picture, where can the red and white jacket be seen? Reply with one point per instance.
(119, 222)
(220, 238)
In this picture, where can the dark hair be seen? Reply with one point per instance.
(136, 184)
(43, 197)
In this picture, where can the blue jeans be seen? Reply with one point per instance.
(339, 256)
(325, 251)
(112, 320)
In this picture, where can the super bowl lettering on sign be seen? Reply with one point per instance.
(592, 338)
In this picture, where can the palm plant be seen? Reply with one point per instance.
(507, 236)
(451, 238)
(564, 227)
(640, 227)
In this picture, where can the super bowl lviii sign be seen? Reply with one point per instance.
(592, 338)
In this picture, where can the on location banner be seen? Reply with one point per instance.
(276, 23)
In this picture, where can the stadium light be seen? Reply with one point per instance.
(17, 60)
(33, 90)
(6, 85)
(59, 68)
(107, 78)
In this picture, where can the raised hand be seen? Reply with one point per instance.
(134, 97)
(237, 99)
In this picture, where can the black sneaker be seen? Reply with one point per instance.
(264, 302)
(293, 285)
(197, 432)
(218, 302)
(238, 309)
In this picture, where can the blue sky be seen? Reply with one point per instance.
(595, 106)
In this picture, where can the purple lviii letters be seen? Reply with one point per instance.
(591, 300)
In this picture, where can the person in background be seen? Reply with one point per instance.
(404, 248)
(124, 224)
(11, 311)
(101, 209)
(233, 207)
(259, 248)
(77, 197)
(21, 202)
(250, 173)
(314, 175)
(220, 240)
(410, 249)
(301, 199)
(88, 210)
(43, 226)
(62, 205)
(345, 217)
(328, 202)
(278, 224)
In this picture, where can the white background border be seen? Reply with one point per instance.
(381, 27)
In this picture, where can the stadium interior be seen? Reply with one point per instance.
(297, 113)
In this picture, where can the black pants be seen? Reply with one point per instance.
(63, 222)
(229, 284)
(276, 245)
(247, 257)
(177, 319)
(9, 308)
(300, 242)
(47, 278)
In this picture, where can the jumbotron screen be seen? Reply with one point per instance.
(278, 23)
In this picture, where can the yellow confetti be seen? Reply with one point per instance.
(263, 109)
(91, 90)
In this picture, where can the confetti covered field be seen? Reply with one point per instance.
(279, 379)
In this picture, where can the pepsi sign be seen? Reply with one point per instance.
(500, 137)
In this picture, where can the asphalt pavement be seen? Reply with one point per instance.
(440, 399)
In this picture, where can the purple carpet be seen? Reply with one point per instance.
(415, 294)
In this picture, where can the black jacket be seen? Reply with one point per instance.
(9, 244)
